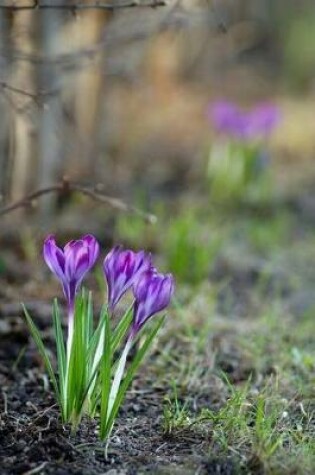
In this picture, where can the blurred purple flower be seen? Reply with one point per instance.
(71, 264)
(122, 268)
(224, 115)
(231, 120)
(263, 119)
(153, 293)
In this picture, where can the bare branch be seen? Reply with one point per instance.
(38, 5)
(66, 187)
(31, 95)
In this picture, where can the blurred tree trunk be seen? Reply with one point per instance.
(4, 129)
(89, 87)
(50, 125)
(22, 125)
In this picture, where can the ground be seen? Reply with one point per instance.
(228, 387)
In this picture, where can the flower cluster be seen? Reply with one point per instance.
(123, 269)
(241, 124)
(238, 160)
(90, 377)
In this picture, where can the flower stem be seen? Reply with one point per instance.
(97, 359)
(68, 356)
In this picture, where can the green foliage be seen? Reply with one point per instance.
(270, 237)
(175, 414)
(111, 403)
(91, 379)
(268, 419)
(135, 231)
(299, 50)
(247, 422)
(2, 266)
(189, 249)
(74, 370)
(230, 423)
(235, 174)
(41, 348)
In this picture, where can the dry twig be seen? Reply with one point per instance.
(32, 95)
(66, 187)
(39, 5)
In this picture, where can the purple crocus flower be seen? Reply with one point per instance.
(70, 265)
(252, 124)
(122, 268)
(153, 292)
(224, 115)
(263, 119)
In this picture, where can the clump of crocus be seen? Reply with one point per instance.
(238, 161)
(90, 377)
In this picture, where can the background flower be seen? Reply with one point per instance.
(230, 119)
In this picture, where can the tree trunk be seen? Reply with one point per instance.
(22, 123)
(50, 128)
(4, 129)
(89, 86)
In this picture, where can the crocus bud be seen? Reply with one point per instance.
(71, 264)
(153, 293)
(122, 268)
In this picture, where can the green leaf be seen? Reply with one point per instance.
(61, 353)
(94, 356)
(121, 329)
(128, 378)
(89, 320)
(97, 344)
(106, 363)
(77, 362)
(97, 334)
(41, 348)
(119, 372)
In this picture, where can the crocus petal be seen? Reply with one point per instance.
(54, 257)
(153, 292)
(93, 246)
(109, 271)
(71, 264)
(82, 264)
(122, 268)
(74, 252)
